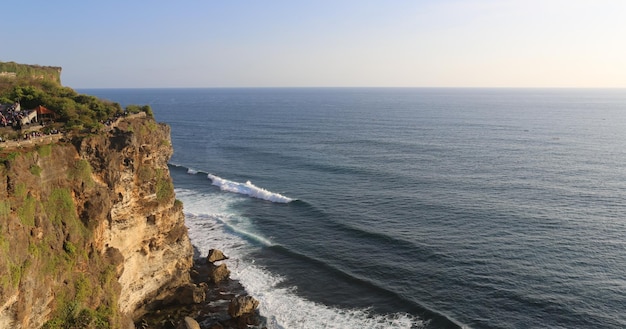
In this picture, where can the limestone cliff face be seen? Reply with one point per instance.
(90, 230)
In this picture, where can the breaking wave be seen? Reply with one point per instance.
(211, 222)
(248, 189)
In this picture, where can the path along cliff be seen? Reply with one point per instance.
(90, 230)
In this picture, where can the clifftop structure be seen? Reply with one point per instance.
(91, 235)
(12, 70)
(90, 230)
(34, 86)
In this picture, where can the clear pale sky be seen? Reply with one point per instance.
(291, 43)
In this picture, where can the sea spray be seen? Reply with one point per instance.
(248, 188)
(494, 191)
(211, 223)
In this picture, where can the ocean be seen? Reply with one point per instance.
(407, 208)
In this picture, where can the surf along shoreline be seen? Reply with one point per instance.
(214, 301)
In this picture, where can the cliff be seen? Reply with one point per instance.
(30, 72)
(12, 70)
(90, 231)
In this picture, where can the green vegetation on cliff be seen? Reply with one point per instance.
(59, 268)
(12, 70)
(44, 240)
(75, 111)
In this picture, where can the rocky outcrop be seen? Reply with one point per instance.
(191, 323)
(90, 231)
(214, 312)
(242, 305)
(190, 294)
(146, 223)
(218, 273)
(216, 255)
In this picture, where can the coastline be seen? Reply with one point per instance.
(214, 142)
(205, 301)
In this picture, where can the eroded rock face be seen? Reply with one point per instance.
(190, 294)
(242, 305)
(216, 255)
(145, 223)
(104, 206)
(191, 323)
(218, 273)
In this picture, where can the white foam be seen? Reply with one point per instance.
(191, 171)
(210, 219)
(283, 308)
(248, 188)
(196, 206)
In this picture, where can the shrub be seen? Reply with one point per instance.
(72, 108)
(15, 272)
(148, 127)
(60, 206)
(20, 191)
(164, 186)
(4, 244)
(44, 150)
(132, 109)
(10, 156)
(81, 172)
(82, 288)
(26, 212)
(69, 248)
(35, 170)
(164, 189)
(5, 209)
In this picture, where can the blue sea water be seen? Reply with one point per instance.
(407, 208)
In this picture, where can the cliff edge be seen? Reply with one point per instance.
(90, 230)
(12, 70)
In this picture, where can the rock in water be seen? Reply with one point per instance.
(215, 255)
(241, 305)
(191, 323)
(218, 273)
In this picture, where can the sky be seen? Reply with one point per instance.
(321, 43)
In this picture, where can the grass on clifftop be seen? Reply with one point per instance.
(54, 243)
(34, 72)
(75, 111)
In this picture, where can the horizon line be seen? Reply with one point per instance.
(346, 87)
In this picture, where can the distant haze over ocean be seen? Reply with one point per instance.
(401, 208)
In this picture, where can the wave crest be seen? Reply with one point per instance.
(248, 189)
